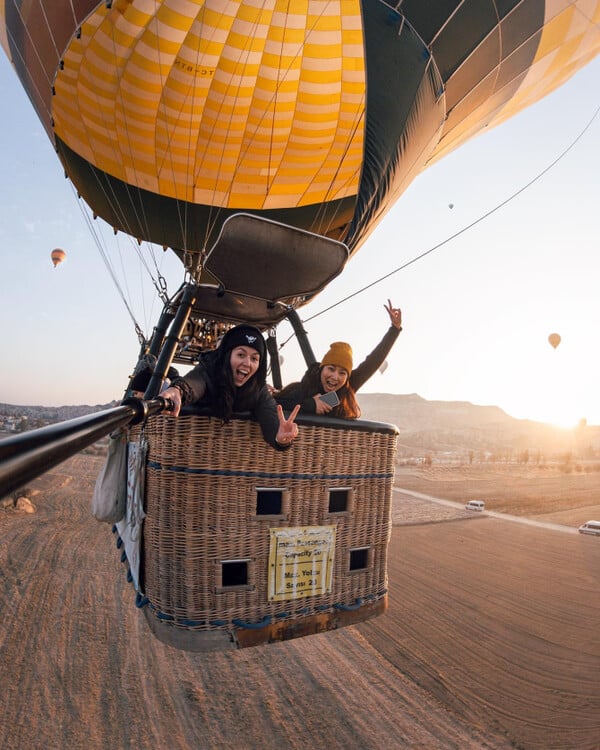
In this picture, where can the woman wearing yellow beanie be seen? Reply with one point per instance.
(335, 373)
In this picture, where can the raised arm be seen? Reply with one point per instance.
(375, 359)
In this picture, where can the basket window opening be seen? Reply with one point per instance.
(340, 500)
(359, 559)
(234, 573)
(272, 502)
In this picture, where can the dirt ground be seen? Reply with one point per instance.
(491, 639)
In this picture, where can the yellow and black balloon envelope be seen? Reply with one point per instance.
(169, 116)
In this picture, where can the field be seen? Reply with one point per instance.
(491, 638)
(544, 493)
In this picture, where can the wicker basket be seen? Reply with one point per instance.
(244, 544)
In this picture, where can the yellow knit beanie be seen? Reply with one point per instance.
(339, 354)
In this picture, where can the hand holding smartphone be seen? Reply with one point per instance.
(330, 398)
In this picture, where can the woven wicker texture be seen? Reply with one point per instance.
(201, 509)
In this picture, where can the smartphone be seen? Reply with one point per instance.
(330, 398)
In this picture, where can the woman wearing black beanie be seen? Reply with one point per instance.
(233, 378)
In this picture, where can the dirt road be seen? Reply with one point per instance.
(490, 641)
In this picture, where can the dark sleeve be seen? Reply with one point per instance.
(192, 385)
(375, 359)
(291, 395)
(265, 413)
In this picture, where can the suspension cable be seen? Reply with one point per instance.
(461, 231)
(109, 266)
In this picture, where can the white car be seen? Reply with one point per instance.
(590, 527)
(475, 505)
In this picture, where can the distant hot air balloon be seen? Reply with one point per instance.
(450, 205)
(554, 340)
(57, 256)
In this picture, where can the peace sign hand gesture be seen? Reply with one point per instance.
(288, 429)
(395, 314)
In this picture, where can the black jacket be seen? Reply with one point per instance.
(298, 393)
(198, 387)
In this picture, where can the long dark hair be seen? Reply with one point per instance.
(226, 397)
(310, 385)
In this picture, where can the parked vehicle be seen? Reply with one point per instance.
(590, 527)
(475, 505)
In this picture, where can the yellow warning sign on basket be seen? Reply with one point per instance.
(301, 561)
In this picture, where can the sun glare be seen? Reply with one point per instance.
(553, 398)
(559, 415)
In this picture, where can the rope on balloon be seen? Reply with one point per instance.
(155, 276)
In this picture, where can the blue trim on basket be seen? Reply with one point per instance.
(141, 600)
(266, 474)
(190, 623)
(164, 616)
(252, 625)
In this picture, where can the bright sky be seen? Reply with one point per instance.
(477, 312)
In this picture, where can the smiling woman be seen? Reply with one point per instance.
(232, 378)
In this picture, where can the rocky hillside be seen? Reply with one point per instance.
(460, 427)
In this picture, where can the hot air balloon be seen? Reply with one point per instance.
(554, 339)
(201, 109)
(57, 256)
(262, 143)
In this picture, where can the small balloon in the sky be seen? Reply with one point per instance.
(450, 205)
(554, 340)
(57, 256)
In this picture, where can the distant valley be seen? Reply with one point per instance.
(453, 429)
